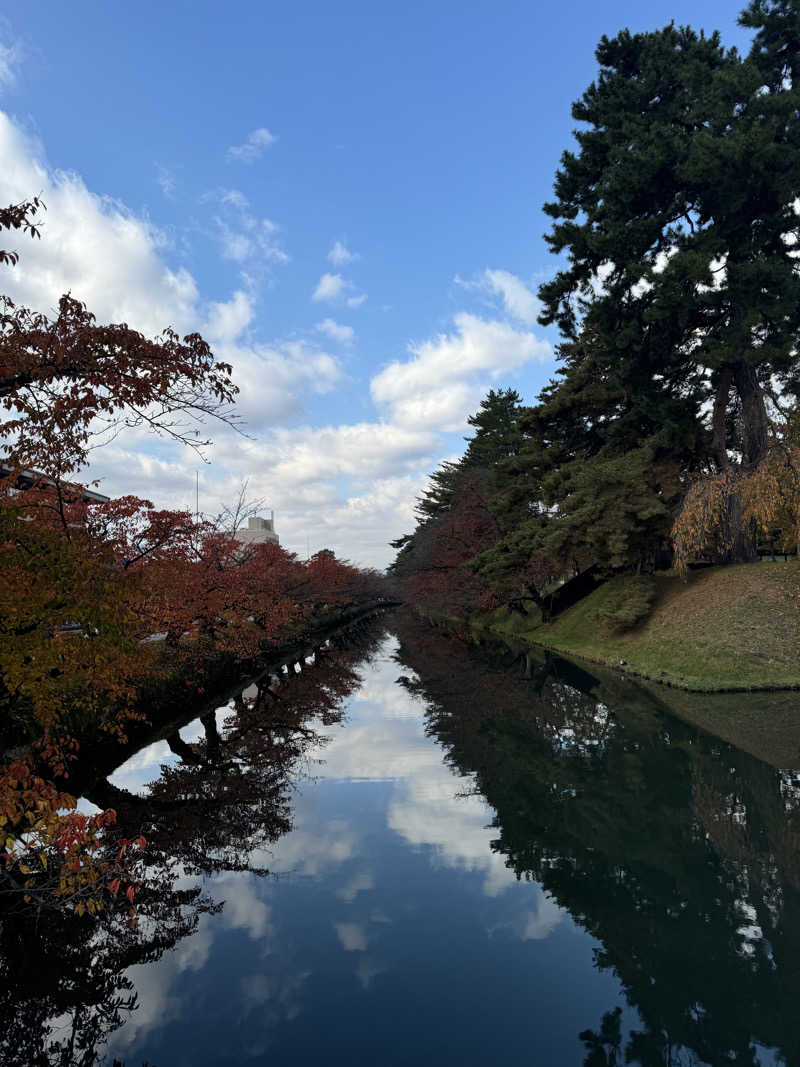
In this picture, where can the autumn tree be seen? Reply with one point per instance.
(66, 383)
(440, 578)
(86, 584)
(82, 583)
(455, 513)
(765, 500)
(21, 217)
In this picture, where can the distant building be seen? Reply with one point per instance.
(258, 531)
(26, 479)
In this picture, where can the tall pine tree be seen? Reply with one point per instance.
(678, 216)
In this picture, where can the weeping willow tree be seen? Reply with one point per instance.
(762, 502)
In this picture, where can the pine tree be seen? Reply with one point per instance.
(598, 476)
(497, 434)
(677, 215)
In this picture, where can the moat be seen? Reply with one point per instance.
(418, 851)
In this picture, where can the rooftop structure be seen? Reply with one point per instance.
(26, 479)
(258, 531)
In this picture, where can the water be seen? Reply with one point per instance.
(470, 860)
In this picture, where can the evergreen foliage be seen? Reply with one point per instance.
(677, 218)
(632, 599)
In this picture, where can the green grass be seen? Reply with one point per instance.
(724, 628)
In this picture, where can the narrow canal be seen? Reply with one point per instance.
(416, 851)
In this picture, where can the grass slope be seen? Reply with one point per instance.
(725, 628)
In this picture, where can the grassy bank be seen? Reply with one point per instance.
(725, 628)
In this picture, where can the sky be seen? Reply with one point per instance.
(344, 199)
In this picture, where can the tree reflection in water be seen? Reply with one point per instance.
(63, 988)
(676, 851)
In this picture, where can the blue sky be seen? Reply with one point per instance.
(345, 198)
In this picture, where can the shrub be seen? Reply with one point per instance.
(628, 602)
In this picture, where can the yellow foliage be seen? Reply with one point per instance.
(720, 507)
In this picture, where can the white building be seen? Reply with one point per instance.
(258, 531)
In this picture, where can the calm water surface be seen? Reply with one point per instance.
(471, 859)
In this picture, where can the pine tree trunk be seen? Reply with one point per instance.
(754, 415)
(541, 602)
(718, 438)
(754, 448)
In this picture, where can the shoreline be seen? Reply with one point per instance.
(763, 722)
(728, 629)
(220, 678)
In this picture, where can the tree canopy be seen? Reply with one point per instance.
(676, 220)
(87, 584)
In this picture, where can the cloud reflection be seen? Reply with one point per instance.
(329, 853)
(430, 806)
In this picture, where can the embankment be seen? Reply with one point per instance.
(723, 629)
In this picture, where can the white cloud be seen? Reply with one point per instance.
(438, 385)
(332, 288)
(268, 1000)
(243, 236)
(359, 883)
(329, 287)
(540, 922)
(308, 852)
(518, 300)
(228, 319)
(244, 908)
(253, 148)
(91, 246)
(340, 254)
(11, 56)
(365, 448)
(235, 198)
(257, 241)
(597, 282)
(367, 970)
(273, 378)
(337, 331)
(235, 246)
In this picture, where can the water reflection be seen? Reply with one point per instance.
(489, 858)
(221, 798)
(678, 852)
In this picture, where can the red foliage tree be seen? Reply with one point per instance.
(442, 579)
(84, 584)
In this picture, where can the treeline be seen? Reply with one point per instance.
(99, 597)
(671, 431)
